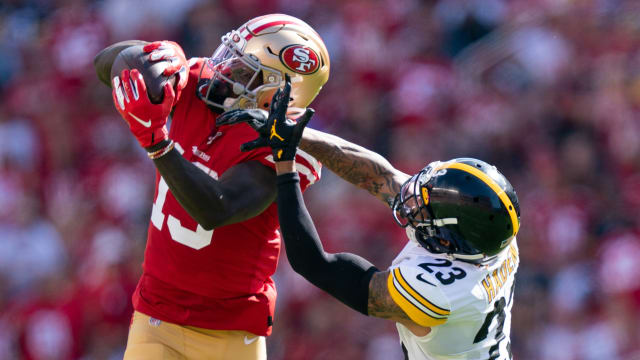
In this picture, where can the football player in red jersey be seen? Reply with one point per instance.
(206, 290)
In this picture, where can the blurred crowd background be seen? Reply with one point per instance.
(547, 90)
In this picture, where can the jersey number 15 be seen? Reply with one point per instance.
(194, 239)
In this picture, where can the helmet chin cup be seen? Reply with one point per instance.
(434, 245)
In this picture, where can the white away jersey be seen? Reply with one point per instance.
(468, 307)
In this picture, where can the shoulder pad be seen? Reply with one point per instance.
(418, 295)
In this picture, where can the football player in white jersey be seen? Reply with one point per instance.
(450, 290)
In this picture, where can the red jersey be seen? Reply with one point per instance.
(217, 279)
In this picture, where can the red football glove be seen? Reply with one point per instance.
(172, 54)
(147, 121)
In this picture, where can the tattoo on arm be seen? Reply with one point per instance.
(357, 165)
(381, 304)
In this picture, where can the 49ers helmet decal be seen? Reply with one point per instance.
(299, 58)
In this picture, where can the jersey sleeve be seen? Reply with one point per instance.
(417, 294)
(308, 168)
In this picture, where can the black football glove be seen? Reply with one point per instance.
(278, 132)
(256, 118)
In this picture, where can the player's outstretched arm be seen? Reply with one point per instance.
(347, 277)
(355, 164)
(242, 192)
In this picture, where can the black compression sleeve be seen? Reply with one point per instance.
(344, 276)
(242, 192)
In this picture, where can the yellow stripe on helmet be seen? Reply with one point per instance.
(493, 185)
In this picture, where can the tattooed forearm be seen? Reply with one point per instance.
(357, 165)
(381, 304)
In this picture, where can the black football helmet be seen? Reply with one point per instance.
(466, 202)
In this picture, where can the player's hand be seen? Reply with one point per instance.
(171, 53)
(256, 118)
(147, 121)
(281, 134)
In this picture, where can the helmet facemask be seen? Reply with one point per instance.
(412, 210)
(236, 78)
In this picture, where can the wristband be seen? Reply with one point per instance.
(162, 152)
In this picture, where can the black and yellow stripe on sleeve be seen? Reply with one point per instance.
(422, 311)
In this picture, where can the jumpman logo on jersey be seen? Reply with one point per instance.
(274, 133)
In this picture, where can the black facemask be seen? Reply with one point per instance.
(218, 91)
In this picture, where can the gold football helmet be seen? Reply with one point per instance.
(249, 66)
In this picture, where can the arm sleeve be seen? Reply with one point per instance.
(344, 276)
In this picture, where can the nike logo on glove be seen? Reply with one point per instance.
(248, 341)
(144, 123)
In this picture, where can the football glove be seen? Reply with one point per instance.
(257, 118)
(276, 131)
(172, 54)
(147, 121)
